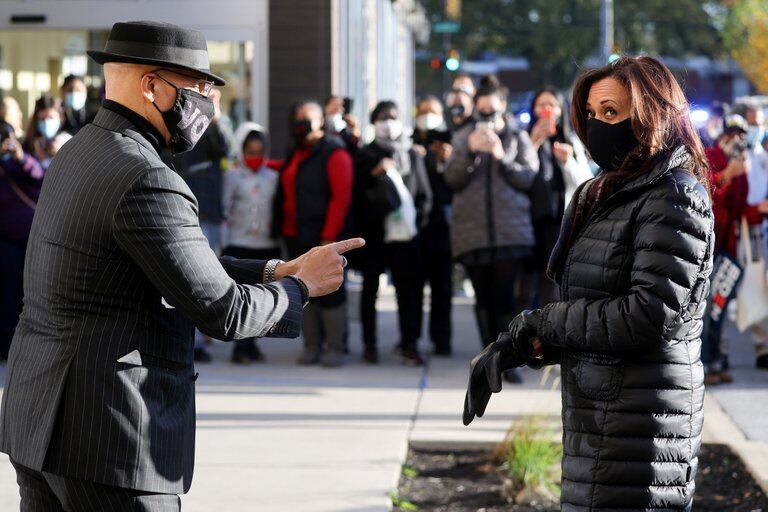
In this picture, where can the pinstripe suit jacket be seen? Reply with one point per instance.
(100, 382)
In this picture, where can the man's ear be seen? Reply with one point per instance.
(148, 87)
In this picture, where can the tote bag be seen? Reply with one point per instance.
(400, 225)
(753, 294)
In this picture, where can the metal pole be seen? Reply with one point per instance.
(606, 29)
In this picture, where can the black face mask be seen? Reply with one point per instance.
(609, 144)
(187, 119)
(300, 129)
(456, 112)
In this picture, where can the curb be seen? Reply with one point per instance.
(720, 428)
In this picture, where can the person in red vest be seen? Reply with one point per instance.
(311, 209)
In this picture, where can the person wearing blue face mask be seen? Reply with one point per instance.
(44, 125)
(74, 96)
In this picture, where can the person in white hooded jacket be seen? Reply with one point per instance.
(249, 192)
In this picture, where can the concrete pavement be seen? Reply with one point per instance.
(278, 437)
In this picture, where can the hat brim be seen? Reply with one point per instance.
(104, 57)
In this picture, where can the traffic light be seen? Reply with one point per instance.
(452, 60)
(435, 63)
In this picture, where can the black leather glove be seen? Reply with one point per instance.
(485, 374)
(523, 329)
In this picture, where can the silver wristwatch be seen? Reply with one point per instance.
(269, 270)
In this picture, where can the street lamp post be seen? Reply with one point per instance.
(606, 29)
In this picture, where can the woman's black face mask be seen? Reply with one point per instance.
(609, 144)
(300, 128)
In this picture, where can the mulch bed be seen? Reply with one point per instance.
(458, 481)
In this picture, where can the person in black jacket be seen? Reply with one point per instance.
(391, 229)
(432, 139)
(98, 410)
(633, 262)
(311, 208)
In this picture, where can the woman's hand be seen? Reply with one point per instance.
(540, 132)
(562, 151)
(382, 166)
(12, 146)
(485, 372)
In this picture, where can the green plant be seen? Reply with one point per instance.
(409, 471)
(532, 459)
(401, 503)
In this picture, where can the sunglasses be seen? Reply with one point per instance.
(201, 85)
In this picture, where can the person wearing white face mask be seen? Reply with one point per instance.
(74, 96)
(44, 126)
(432, 138)
(391, 203)
(339, 121)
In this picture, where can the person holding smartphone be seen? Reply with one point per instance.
(432, 139)
(21, 177)
(340, 121)
(491, 171)
(564, 166)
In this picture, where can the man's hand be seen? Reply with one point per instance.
(442, 149)
(322, 268)
(485, 372)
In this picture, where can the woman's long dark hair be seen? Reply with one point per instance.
(563, 124)
(659, 113)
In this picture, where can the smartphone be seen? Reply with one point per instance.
(348, 103)
(548, 115)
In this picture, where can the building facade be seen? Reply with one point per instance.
(270, 51)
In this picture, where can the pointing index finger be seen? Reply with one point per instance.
(348, 245)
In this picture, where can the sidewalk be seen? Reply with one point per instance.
(278, 437)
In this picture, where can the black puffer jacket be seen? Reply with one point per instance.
(627, 328)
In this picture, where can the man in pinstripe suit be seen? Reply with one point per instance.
(99, 411)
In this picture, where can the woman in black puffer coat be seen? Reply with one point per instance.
(633, 262)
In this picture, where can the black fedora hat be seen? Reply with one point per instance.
(157, 44)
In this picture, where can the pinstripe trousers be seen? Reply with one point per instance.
(46, 492)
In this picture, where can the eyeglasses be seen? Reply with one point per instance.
(201, 86)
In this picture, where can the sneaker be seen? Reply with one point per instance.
(443, 351)
(512, 376)
(371, 355)
(201, 355)
(762, 362)
(411, 357)
(332, 359)
(308, 358)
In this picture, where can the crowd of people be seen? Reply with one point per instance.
(466, 184)
(736, 144)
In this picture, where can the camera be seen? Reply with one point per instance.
(739, 147)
